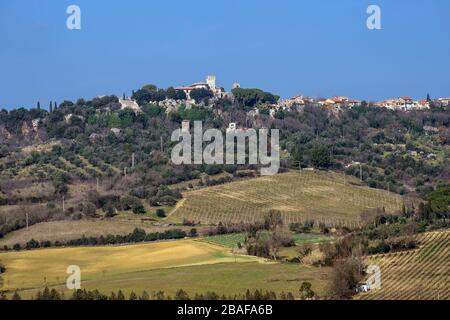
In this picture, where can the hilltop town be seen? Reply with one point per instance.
(208, 93)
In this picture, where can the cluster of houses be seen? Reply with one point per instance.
(334, 104)
(338, 103)
(296, 103)
(404, 104)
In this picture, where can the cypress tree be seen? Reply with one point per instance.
(120, 295)
(16, 296)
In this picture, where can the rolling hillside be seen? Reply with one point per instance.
(422, 274)
(322, 196)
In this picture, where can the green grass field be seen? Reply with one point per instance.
(194, 266)
(35, 268)
(226, 240)
(322, 196)
(302, 238)
(231, 240)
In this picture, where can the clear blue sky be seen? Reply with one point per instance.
(314, 47)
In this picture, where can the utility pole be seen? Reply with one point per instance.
(125, 171)
(97, 185)
(26, 218)
(132, 160)
(162, 146)
(63, 204)
(360, 172)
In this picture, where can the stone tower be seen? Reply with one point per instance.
(211, 81)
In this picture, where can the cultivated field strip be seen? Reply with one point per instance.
(422, 273)
(321, 196)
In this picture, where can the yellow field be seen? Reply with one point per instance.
(29, 269)
(423, 273)
(323, 196)
(191, 265)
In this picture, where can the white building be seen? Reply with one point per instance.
(210, 84)
(129, 104)
(185, 126)
(444, 101)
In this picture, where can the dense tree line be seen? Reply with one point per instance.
(138, 235)
(151, 93)
(305, 293)
(249, 98)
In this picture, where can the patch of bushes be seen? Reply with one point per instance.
(160, 213)
(268, 244)
(346, 275)
(128, 202)
(259, 248)
(245, 174)
(251, 228)
(215, 182)
(87, 209)
(392, 245)
(387, 229)
(164, 196)
(189, 223)
(302, 227)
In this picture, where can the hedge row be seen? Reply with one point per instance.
(138, 235)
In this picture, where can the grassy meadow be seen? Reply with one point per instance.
(194, 266)
(232, 240)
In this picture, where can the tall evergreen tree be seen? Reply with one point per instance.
(16, 296)
(120, 295)
(50, 108)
